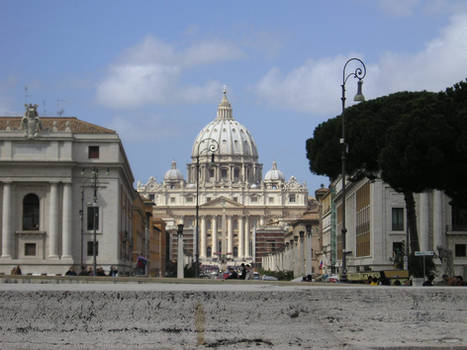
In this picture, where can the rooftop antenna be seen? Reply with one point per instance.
(44, 110)
(60, 109)
(26, 96)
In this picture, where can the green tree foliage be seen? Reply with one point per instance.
(454, 104)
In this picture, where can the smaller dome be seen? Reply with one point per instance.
(274, 174)
(173, 174)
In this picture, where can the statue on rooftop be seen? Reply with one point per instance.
(31, 122)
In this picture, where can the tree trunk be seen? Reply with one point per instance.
(411, 221)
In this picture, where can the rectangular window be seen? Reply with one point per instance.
(172, 199)
(189, 199)
(30, 249)
(292, 198)
(459, 218)
(93, 218)
(90, 250)
(93, 152)
(211, 172)
(460, 250)
(236, 174)
(398, 219)
(254, 199)
(224, 173)
(235, 199)
(151, 197)
(271, 199)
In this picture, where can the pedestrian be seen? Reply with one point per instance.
(429, 281)
(71, 271)
(16, 270)
(141, 262)
(444, 281)
(100, 271)
(84, 271)
(242, 272)
(113, 271)
(249, 272)
(232, 274)
(383, 280)
(374, 281)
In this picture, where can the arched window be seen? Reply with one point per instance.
(31, 212)
(208, 252)
(235, 252)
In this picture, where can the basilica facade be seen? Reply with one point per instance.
(225, 190)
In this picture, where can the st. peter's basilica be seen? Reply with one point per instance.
(234, 200)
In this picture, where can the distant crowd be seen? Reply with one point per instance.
(445, 281)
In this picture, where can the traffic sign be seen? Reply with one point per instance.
(425, 253)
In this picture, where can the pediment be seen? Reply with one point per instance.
(222, 202)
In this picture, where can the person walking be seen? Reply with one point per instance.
(113, 271)
(242, 272)
(141, 262)
(71, 272)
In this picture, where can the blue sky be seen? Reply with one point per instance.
(154, 70)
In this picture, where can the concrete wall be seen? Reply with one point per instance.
(230, 316)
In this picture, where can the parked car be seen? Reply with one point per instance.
(269, 278)
(333, 279)
(256, 276)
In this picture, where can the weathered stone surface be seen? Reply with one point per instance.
(230, 316)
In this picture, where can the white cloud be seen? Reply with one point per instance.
(143, 129)
(315, 86)
(151, 73)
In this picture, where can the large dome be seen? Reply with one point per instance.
(232, 137)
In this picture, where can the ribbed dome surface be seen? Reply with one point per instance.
(173, 173)
(274, 174)
(231, 136)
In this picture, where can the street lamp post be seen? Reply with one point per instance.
(359, 73)
(95, 172)
(212, 146)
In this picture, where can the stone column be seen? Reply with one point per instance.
(214, 236)
(223, 234)
(241, 238)
(67, 222)
(296, 261)
(229, 236)
(308, 269)
(247, 237)
(7, 233)
(438, 225)
(424, 222)
(53, 221)
(180, 256)
(202, 253)
(301, 254)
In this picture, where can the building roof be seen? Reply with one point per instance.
(75, 125)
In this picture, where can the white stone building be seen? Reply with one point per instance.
(377, 228)
(234, 199)
(47, 195)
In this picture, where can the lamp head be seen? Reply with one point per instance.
(359, 96)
